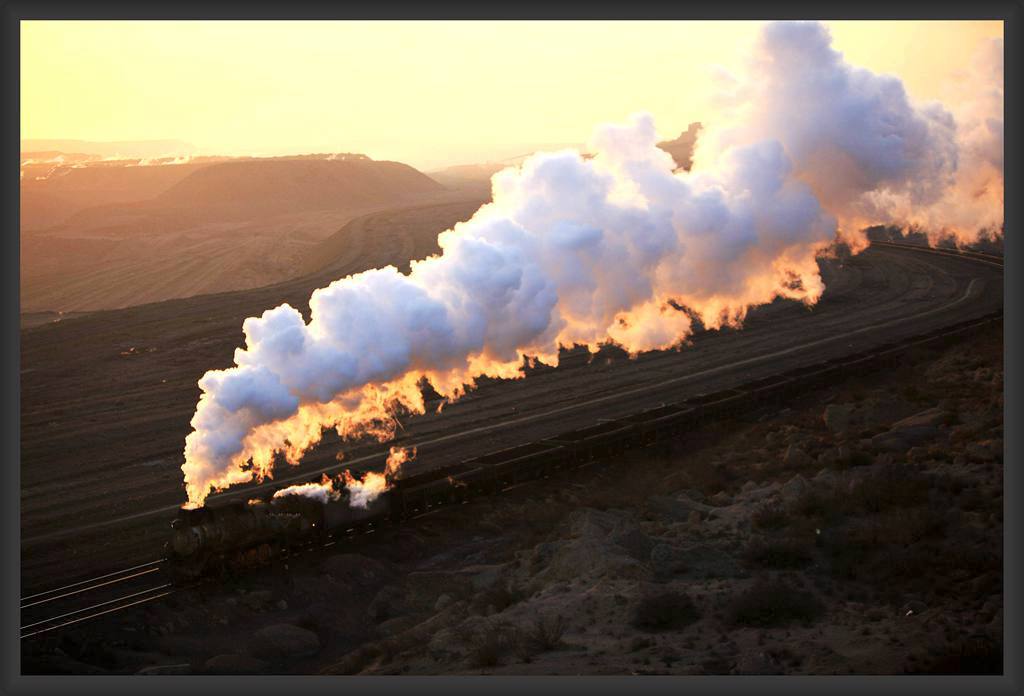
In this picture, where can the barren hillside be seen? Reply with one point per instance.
(133, 234)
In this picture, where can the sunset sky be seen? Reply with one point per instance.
(427, 93)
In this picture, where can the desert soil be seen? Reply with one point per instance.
(857, 530)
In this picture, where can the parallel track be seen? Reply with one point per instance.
(143, 583)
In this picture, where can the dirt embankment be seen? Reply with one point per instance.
(857, 531)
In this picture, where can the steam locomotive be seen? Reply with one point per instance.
(232, 537)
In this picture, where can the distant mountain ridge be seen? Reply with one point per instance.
(120, 148)
(681, 148)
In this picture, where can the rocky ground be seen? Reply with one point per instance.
(857, 531)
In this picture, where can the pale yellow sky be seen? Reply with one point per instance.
(427, 93)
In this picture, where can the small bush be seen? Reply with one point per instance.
(547, 633)
(542, 635)
(664, 611)
(494, 600)
(769, 517)
(772, 604)
(789, 552)
(487, 647)
(973, 655)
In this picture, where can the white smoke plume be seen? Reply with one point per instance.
(361, 491)
(577, 250)
(364, 491)
(869, 153)
(321, 492)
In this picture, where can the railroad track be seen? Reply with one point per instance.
(990, 259)
(54, 609)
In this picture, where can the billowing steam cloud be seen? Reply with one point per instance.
(576, 250)
(870, 155)
(361, 491)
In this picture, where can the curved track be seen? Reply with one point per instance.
(79, 521)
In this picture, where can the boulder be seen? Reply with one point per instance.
(357, 570)
(483, 577)
(667, 560)
(422, 588)
(932, 417)
(827, 477)
(837, 418)
(446, 645)
(900, 439)
(794, 488)
(693, 560)
(235, 664)
(257, 599)
(677, 507)
(634, 542)
(388, 603)
(984, 451)
(721, 499)
(796, 457)
(284, 641)
(589, 552)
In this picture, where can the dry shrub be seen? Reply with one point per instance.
(787, 552)
(771, 516)
(973, 655)
(772, 603)
(494, 600)
(664, 611)
(546, 633)
(488, 645)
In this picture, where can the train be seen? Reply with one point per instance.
(234, 537)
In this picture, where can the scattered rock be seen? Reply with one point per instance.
(796, 457)
(676, 508)
(913, 608)
(900, 439)
(446, 646)
(284, 641)
(443, 601)
(826, 477)
(257, 599)
(667, 560)
(757, 663)
(794, 488)
(421, 589)
(355, 569)
(183, 668)
(931, 418)
(387, 603)
(637, 544)
(235, 664)
(837, 418)
(984, 451)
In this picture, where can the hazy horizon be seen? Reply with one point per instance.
(430, 94)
